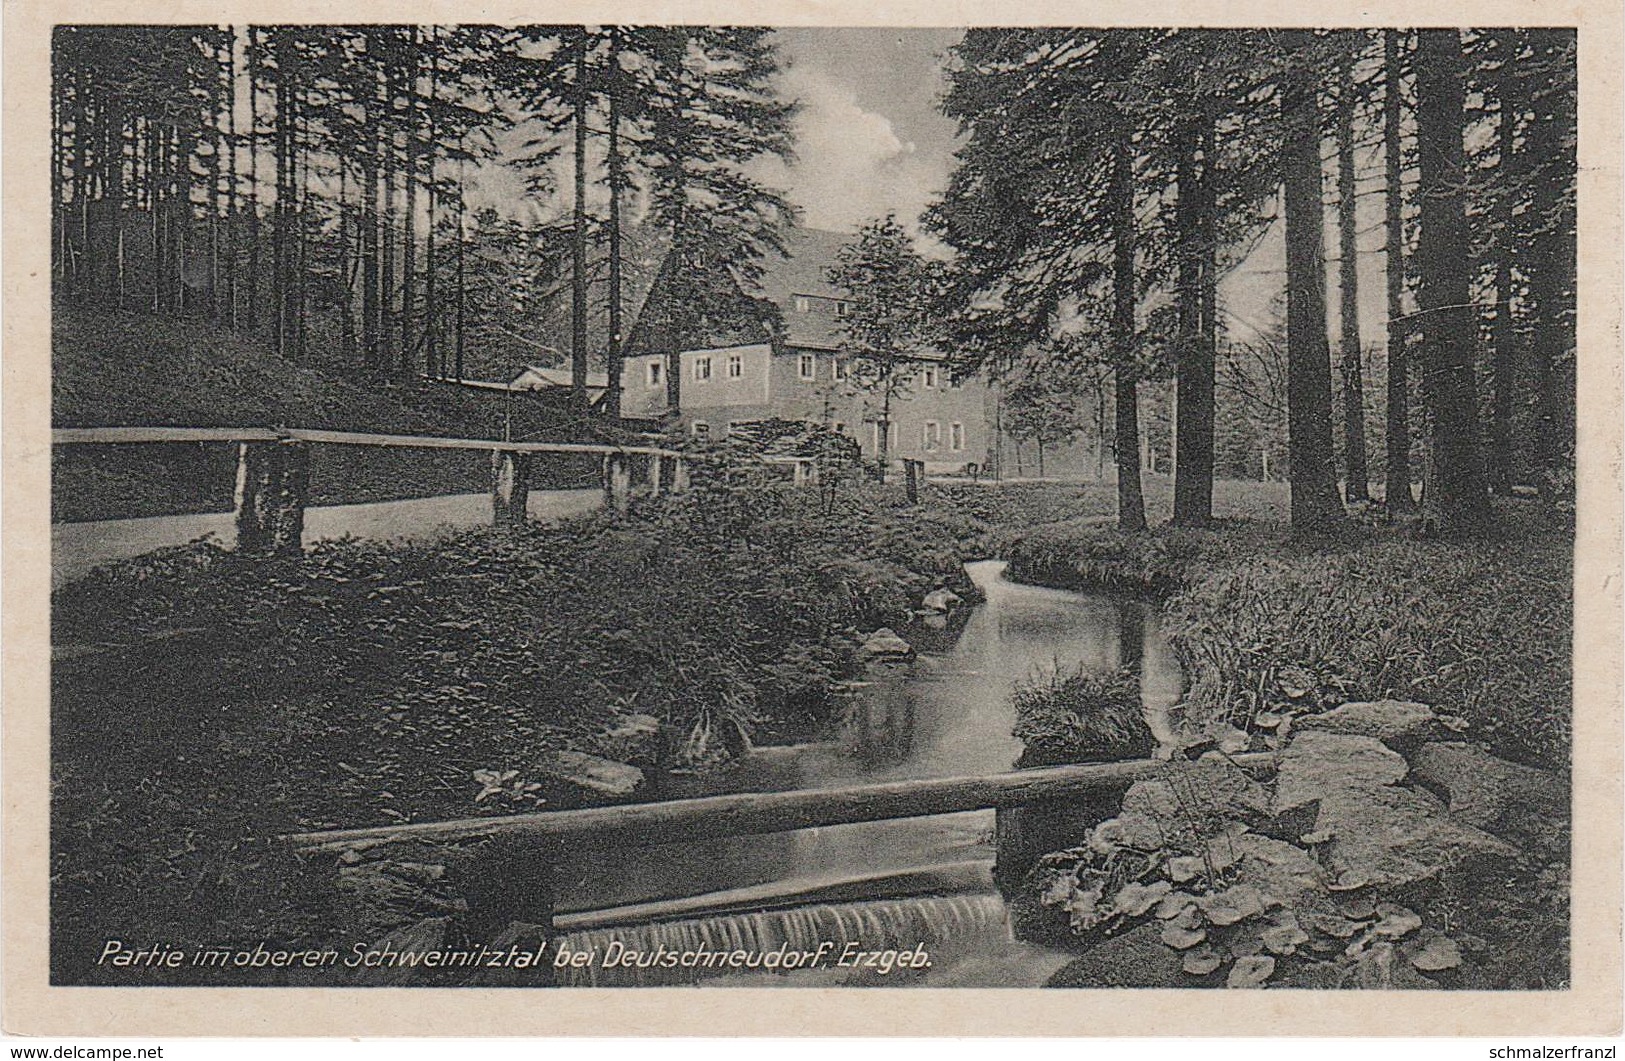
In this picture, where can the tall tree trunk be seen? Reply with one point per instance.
(1348, 275)
(1397, 492)
(251, 55)
(1503, 336)
(612, 396)
(431, 331)
(578, 239)
(1130, 501)
(231, 177)
(409, 234)
(1550, 265)
(1193, 435)
(1455, 500)
(1316, 509)
(462, 251)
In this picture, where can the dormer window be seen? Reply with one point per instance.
(930, 378)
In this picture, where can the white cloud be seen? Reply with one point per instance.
(851, 165)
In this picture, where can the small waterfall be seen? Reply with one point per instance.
(879, 925)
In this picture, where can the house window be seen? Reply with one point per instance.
(652, 372)
(839, 428)
(736, 366)
(700, 429)
(808, 366)
(930, 378)
(702, 368)
(802, 304)
(956, 437)
(932, 435)
(838, 371)
(842, 307)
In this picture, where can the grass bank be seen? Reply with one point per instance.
(1266, 626)
(367, 684)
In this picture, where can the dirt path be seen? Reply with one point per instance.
(76, 548)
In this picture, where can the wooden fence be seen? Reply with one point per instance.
(273, 470)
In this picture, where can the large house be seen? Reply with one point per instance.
(804, 374)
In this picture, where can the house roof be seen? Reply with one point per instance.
(810, 253)
(559, 377)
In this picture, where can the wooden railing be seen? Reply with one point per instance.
(273, 470)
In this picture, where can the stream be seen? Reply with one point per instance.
(951, 715)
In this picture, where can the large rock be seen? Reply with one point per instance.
(1200, 797)
(1137, 958)
(1397, 723)
(1518, 803)
(605, 777)
(884, 644)
(941, 600)
(1318, 764)
(1394, 836)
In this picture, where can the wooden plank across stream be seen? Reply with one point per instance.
(755, 813)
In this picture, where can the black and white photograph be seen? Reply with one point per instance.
(633, 505)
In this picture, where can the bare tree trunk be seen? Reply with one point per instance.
(409, 236)
(1398, 472)
(1503, 336)
(1193, 436)
(1348, 274)
(1455, 499)
(612, 395)
(1316, 509)
(1130, 500)
(578, 241)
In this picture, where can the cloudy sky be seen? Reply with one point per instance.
(870, 139)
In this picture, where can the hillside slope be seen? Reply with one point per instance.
(137, 370)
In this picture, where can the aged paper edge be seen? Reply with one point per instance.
(1592, 1006)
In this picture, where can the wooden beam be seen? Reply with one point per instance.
(101, 436)
(356, 438)
(66, 436)
(754, 813)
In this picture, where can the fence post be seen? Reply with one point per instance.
(254, 495)
(657, 470)
(273, 483)
(510, 897)
(679, 475)
(617, 482)
(292, 492)
(510, 488)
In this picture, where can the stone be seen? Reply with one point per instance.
(637, 739)
(1316, 765)
(1523, 804)
(941, 600)
(606, 777)
(1200, 798)
(1137, 958)
(1397, 723)
(1395, 836)
(1282, 872)
(884, 643)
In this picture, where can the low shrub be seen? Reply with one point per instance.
(1080, 716)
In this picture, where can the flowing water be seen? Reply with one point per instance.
(951, 714)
